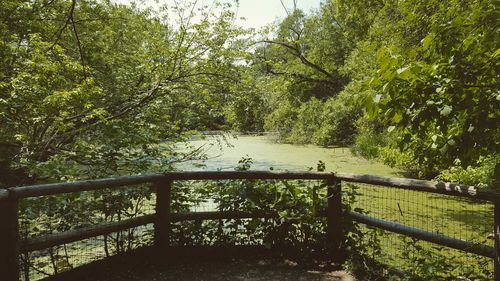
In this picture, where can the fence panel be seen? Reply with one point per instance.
(57, 230)
(63, 231)
(464, 220)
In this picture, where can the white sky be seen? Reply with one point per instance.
(261, 12)
(257, 13)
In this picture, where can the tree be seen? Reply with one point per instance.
(309, 52)
(79, 77)
(436, 81)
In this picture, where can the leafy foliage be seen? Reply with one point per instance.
(426, 72)
(434, 80)
(90, 89)
(322, 123)
(100, 84)
(485, 173)
(441, 267)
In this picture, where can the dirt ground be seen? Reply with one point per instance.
(198, 266)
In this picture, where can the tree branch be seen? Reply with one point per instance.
(303, 59)
(66, 23)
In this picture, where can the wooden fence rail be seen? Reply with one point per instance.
(4, 194)
(11, 245)
(459, 244)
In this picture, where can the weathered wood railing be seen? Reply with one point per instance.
(11, 246)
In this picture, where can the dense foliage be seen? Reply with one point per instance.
(111, 88)
(107, 87)
(424, 75)
(90, 89)
(434, 80)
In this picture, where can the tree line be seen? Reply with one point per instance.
(89, 88)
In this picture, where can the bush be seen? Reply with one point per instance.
(282, 120)
(337, 126)
(486, 173)
(403, 161)
(246, 113)
(375, 142)
(330, 122)
(370, 139)
(307, 123)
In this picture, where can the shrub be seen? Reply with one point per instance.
(337, 126)
(374, 141)
(486, 172)
(282, 120)
(330, 122)
(245, 113)
(370, 139)
(403, 161)
(307, 123)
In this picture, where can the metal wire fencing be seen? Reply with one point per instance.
(461, 218)
(57, 214)
(240, 195)
(292, 201)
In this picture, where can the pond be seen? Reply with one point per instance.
(224, 152)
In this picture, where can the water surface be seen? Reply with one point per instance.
(266, 153)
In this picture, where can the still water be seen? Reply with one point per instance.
(224, 153)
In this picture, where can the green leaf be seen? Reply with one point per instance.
(446, 110)
(384, 88)
(405, 73)
(397, 117)
(427, 41)
(496, 53)
(402, 70)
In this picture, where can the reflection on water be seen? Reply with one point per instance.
(224, 154)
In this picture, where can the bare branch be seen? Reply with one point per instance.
(284, 7)
(298, 53)
(79, 44)
(69, 16)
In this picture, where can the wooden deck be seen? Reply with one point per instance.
(203, 264)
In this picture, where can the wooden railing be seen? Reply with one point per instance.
(11, 245)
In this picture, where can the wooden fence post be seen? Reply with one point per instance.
(163, 217)
(496, 233)
(9, 239)
(334, 232)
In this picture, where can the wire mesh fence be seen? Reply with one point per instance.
(56, 214)
(40, 264)
(234, 195)
(461, 218)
